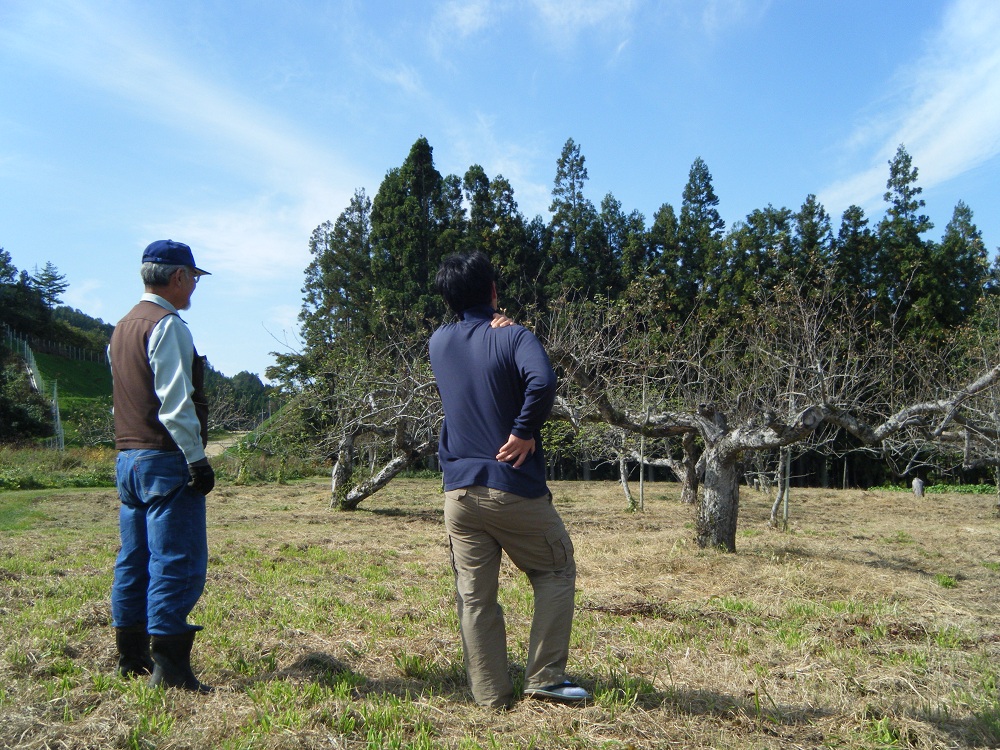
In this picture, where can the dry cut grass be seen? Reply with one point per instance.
(873, 623)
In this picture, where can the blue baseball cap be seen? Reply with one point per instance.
(171, 253)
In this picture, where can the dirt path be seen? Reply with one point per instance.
(217, 446)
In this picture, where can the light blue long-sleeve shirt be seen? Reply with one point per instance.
(171, 352)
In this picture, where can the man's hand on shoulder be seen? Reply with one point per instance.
(202, 476)
(500, 321)
(517, 450)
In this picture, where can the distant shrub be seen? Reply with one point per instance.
(941, 489)
(420, 474)
(964, 489)
(38, 469)
(246, 464)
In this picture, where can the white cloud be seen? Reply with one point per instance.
(260, 241)
(950, 117)
(464, 17)
(572, 17)
(720, 15)
(146, 71)
(404, 77)
(253, 243)
(88, 295)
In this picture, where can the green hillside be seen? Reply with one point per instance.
(84, 397)
(75, 378)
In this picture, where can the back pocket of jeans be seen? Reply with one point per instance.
(161, 475)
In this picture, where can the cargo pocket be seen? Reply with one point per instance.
(561, 546)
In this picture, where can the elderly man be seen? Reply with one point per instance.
(497, 388)
(162, 473)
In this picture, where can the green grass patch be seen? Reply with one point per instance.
(248, 463)
(75, 378)
(945, 581)
(900, 537)
(18, 513)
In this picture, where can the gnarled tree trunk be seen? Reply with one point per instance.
(689, 491)
(720, 501)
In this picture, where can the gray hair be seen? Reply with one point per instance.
(157, 274)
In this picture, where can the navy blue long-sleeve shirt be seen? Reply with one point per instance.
(494, 382)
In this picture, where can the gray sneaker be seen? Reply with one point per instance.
(564, 692)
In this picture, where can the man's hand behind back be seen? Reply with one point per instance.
(517, 450)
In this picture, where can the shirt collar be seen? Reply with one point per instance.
(479, 312)
(158, 300)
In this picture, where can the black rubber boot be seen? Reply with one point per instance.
(133, 651)
(172, 659)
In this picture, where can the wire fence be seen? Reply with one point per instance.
(79, 353)
(19, 345)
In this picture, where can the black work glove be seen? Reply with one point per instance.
(202, 476)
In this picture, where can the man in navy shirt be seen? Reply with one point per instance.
(497, 388)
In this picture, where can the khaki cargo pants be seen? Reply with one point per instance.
(482, 522)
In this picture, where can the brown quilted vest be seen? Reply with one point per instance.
(137, 423)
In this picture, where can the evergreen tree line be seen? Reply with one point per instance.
(380, 255)
(30, 305)
(370, 277)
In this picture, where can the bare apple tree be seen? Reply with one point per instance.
(795, 364)
(708, 392)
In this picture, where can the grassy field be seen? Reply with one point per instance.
(75, 377)
(873, 623)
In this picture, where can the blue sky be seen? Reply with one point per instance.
(238, 127)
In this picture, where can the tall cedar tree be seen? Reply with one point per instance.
(905, 283)
(855, 256)
(812, 244)
(497, 228)
(410, 215)
(964, 265)
(664, 278)
(757, 253)
(573, 219)
(624, 246)
(699, 237)
(338, 290)
(51, 284)
(8, 272)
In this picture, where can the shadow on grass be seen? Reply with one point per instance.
(435, 517)
(870, 558)
(616, 691)
(619, 692)
(327, 670)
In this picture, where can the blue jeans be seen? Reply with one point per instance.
(160, 570)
